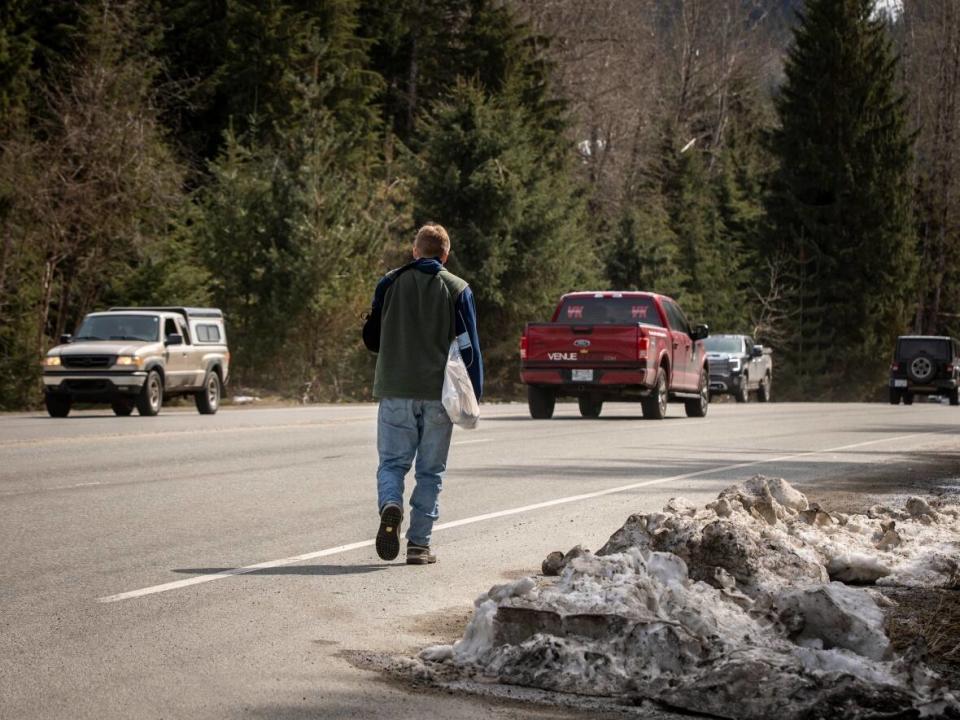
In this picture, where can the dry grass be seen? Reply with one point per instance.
(933, 615)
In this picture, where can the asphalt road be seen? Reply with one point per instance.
(119, 538)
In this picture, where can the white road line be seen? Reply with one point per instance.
(176, 585)
(473, 442)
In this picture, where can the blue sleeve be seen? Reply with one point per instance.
(380, 292)
(468, 340)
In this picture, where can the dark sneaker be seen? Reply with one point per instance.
(419, 555)
(388, 536)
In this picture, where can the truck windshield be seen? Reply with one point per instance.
(723, 344)
(934, 347)
(145, 328)
(585, 310)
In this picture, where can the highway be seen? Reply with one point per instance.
(190, 566)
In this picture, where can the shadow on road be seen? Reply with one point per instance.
(292, 570)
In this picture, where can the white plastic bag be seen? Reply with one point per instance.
(458, 398)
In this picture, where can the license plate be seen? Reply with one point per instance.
(899, 383)
(582, 375)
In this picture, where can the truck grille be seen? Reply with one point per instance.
(88, 386)
(719, 367)
(87, 361)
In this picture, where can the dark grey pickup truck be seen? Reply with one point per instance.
(739, 367)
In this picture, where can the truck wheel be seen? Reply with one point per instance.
(743, 392)
(655, 405)
(763, 392)
(895, 396)
(589, 407)
(908, 398)
(122, 407)
(150, 399)
(208, 399)
(954, 396)
(57, 405)
(541, 402)
(699, 407)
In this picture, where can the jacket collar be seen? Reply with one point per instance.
(431, 266)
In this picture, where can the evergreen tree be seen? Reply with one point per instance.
(514, 215)
(16, 70)
(244, 66)
(642, 253)
(841, 202)
(422, 47)
(712, 256)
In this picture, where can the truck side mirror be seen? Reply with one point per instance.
(757, 351)
(700, 332)
(174, 339)
(66, 338)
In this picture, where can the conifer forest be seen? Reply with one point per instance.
(782, 168)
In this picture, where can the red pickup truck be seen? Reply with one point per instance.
(615, 346)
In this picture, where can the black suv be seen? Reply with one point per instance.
(925, 365)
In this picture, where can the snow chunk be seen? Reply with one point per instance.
(839, 617)
(691, 607)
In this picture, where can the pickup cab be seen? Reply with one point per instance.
(615, 347)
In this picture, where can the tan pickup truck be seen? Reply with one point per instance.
(135, 357)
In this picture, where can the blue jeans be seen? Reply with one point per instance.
(407, 429)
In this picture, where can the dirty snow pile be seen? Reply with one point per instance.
(733, 610)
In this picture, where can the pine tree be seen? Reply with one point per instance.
(422, 48)
(253, 67)
(513, 213)
(841, 203)
(642, 253)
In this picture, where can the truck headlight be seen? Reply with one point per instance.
(735, 365)
(51, 361)
(130, 361)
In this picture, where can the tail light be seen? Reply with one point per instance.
(950, 368)
(643, 344)
(894, 367)
(523, 347)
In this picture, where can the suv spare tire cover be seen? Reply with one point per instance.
(921, 368)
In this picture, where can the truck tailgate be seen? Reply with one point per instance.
(581, 344)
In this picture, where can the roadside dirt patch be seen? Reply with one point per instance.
(923, 473)
(443, 625)
(928, 620)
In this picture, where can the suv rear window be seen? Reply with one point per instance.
(609, 311)
(934, 347)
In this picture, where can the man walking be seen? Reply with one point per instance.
(423, 308)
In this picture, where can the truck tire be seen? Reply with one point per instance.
(589, 407)
(150, 399)
(743, 392)
(541, 402)
(122, 407)
(698, 407)
(655, 405)
(763, 392)
(208, 399)
(895, 396)
(908, 398)
(58, 405)
(954, 396)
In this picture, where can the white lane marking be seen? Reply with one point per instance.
(10, 493)
(472, 442)
(87, 439)
(177, 584)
